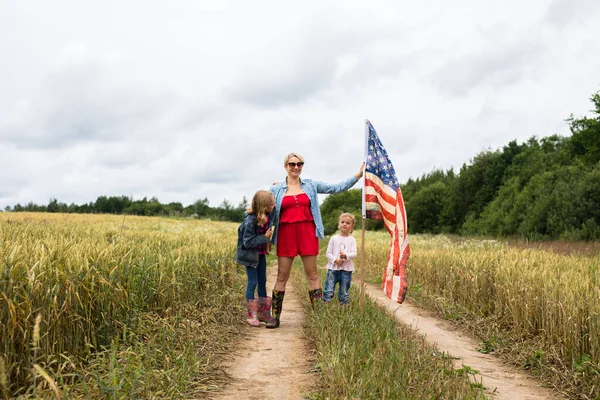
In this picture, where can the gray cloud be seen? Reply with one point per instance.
(561, 13)
(83, 105)
(300, 67)
(496, 65)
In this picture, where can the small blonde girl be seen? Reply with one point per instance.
(341, 250)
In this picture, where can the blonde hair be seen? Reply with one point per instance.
(261, 201)
(348, 215)
(287, 158)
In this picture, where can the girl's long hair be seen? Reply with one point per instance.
(261, 202)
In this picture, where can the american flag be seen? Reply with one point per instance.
(382, 199)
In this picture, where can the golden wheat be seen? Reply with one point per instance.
(523, 295)
(70, 284)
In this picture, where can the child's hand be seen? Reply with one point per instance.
(269, 233)
(339, 262)
(343, 256)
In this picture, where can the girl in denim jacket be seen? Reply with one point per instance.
(252, 249)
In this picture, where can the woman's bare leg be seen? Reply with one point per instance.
(310, 269)
(284, 266)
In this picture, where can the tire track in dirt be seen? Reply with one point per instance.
(272, 363)
(500, 380)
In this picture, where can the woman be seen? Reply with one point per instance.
(298, 227)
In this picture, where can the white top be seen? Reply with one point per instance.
(338, 243)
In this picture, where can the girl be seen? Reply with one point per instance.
(252, 249)
(340, 252)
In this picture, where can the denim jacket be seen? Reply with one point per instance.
(248, 242)
(311, 188)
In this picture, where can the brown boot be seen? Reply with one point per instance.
(264, 309)
(276, 305)
(315, 295)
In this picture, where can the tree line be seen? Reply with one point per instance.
(544, 188)
(126, 205)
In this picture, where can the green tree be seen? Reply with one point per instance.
(349, 201)
(52, 206)
(243, 204)
(200, 207)
(585, 140)
(424, 208)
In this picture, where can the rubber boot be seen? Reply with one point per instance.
(276, 305)
(264, 309)
(252, 313)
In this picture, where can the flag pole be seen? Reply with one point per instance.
(362, 267)
(362, 245)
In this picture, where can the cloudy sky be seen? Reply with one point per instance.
(189, 99)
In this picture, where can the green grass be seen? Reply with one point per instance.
(367, 354)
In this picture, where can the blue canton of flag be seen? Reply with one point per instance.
(378, 161)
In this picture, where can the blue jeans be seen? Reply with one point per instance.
(257, 276)
(344, 278)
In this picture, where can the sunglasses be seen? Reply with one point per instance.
(294, 164)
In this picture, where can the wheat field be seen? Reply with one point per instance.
(538, 309)
(101, 305)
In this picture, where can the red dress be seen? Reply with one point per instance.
(296, 234)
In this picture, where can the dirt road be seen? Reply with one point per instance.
(274, 363)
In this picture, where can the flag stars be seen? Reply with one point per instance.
(378, 162)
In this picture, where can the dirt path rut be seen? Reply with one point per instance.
(272, 363)
(500, 380)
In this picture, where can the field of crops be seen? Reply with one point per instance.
(100, 306)
(114, 307)
(537, 308)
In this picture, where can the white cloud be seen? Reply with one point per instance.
(191, 99)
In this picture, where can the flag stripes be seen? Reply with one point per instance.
(382, 200)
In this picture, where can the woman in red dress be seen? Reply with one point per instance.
(298, 227)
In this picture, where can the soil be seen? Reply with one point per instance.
(501, 381)
(275, 363)
(589, 249)
(272, 363)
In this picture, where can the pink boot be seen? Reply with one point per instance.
(252, 313)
